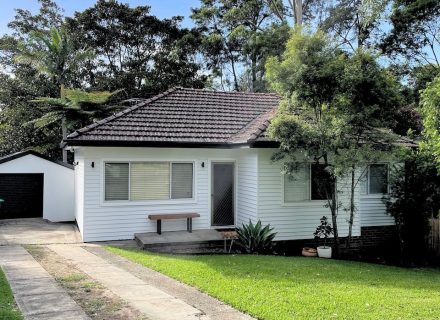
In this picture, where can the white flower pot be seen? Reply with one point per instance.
(324, 252)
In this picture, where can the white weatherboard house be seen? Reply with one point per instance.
(203, 152)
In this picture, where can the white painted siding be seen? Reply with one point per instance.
(294, 220)
(58, 193)
(113, 221)
(373, 212)
(247, 187)
(79, 190)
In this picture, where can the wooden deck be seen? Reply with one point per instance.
(198, 241)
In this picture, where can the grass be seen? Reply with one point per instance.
(8, 308)
(271, 287)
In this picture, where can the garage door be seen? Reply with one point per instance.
(22, 195)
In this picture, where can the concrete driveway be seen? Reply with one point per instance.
(37, 231)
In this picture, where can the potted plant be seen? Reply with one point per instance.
(324, 230)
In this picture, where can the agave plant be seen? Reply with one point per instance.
(254, 238)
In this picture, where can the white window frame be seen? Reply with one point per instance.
(130, 202)
(300, 202)
(368, 181)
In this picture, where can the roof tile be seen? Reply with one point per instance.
(186, 116)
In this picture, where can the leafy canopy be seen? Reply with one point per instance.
(430, 102)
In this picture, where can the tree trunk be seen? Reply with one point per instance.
(298, 12)
(334, 210)
(64, 130)
(352, 206)
(254, 71)
(63, 125)
(333, 204)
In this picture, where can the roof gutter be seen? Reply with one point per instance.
(155, 144)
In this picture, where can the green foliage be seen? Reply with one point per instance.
(77, 106)
(52, 53)
(430, 102)
(354, 23)
(337, 109)
(135, 50)
(414, 33)
(254, 238)
(286, 288)
(414, 198)
(238, 36)
(324, 230)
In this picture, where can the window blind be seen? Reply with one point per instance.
(150, 181)
(182, 181)
(296, 186)
(116, 181)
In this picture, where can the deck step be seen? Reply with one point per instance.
(182, 242)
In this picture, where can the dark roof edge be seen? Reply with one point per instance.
(168, 144)
(33, 153)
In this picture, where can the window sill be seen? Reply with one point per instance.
(313, 203)
(147, 203)
(374, 196)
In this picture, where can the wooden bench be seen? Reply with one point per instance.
(173, 216)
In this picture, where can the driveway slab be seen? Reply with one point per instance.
(211, 307)
(37, 294)
(153, 302)
(37, 231)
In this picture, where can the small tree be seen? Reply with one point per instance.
(307, 125)
(369, 99)
(336, 108)
(324, 230)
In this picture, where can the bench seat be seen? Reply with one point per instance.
(173, 216)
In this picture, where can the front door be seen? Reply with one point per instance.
(222, 194)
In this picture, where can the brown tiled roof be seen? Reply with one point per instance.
(182, 115)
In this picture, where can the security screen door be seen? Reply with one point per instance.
(222, 194)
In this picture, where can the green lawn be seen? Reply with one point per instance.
(270, 287)
(8, 309)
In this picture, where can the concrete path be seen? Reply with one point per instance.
(37, 294)
(153, 302)
(37, 231)
(211, 307)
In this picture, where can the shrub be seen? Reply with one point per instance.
(324, 230)
(254, 238)
(414, 199)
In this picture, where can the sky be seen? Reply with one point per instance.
(160, 8)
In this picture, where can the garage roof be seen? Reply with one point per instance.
(33, 153)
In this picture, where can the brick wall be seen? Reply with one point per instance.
(377, 239)
(378, 236)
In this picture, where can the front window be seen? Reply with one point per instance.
(140, 181)
(116, 181)
(322, 182)
(378, 179)
(308, 182)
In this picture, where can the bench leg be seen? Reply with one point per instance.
(189, 225)
(159, 226)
